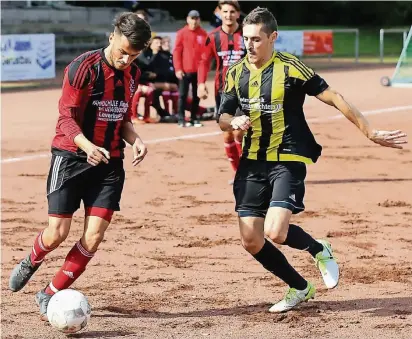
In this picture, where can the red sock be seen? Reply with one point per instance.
(73, 267)
(232, 155)
(39, 250)
(239, 148)
(135, 103)
(201, 110)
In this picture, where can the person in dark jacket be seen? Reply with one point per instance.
(147, 89)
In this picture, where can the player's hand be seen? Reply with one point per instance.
(242, 122)
(202, 91)
(96, 155)
(139, 152)
(179, 75)
(388, 138)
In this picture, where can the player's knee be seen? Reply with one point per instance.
(251, 243)
(276, 231)
(57, 231)
(92, 240)
(276, 236)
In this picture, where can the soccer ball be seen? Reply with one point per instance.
(68, 311)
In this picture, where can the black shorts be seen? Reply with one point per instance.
(218, 97)
(72, 180)
(259, 185)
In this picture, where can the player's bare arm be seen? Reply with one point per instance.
(392, 139)
(129, 134)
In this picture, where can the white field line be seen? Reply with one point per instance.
(202, 135)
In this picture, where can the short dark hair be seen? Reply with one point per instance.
(262, 16)
(157, 37)
(135, 29)
(233, 3)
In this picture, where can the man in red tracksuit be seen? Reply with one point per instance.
(186, 57)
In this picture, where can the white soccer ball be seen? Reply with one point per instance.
(68, 311)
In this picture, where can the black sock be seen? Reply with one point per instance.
(275, 262)
(156, 103)
(299, 239)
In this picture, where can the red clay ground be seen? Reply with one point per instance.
(172, 265)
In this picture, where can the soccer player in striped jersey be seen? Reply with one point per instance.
(270, 87)
(225, 45)
(87, 153)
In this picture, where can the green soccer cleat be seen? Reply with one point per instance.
(327, 265)
(293, 298)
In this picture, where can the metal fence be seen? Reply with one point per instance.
(355, 46)
(382, 32)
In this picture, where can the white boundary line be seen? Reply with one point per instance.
(201, 135)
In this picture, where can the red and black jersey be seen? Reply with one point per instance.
(96, 100)
(226, 49)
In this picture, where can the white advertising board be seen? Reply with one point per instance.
(27, 57)
(290, 41)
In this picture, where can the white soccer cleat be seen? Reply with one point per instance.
(327, 265)
(293, 298)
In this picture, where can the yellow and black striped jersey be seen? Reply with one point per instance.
(273, 98)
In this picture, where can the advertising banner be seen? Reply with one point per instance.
(27, 57)
(318, 43)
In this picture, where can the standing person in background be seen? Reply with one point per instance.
(225, 45)
(186, 57)
(166, 79)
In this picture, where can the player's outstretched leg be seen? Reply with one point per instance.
(46, 241)
(273, 260)
(276, 221)
(96, 222)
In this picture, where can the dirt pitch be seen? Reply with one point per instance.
(172, 265)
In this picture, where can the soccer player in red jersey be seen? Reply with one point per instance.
(225, 44)
(87, 153)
